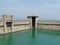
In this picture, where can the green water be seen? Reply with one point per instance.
(25, 38)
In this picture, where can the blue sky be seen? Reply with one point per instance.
(45, 9)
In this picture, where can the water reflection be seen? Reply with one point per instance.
(25, 38)
(34, 32)
(6, 39)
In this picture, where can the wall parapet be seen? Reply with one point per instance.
(8, 24)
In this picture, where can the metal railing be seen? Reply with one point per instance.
(21, 21)
(48, 22)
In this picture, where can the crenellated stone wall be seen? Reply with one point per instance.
(8, 24)
(21, 25)
(54, 25)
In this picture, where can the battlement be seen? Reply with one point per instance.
(8, 24)
(7, 17)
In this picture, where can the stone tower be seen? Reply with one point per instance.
(7, 22)
(33, 21)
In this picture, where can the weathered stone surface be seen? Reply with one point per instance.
(8, 24)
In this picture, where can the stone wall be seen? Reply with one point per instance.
(1, 23)
(1, 30)
(49, 27)
(18, 25)
(21, 25)
(54, 25)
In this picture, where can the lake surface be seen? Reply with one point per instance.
(26, 38)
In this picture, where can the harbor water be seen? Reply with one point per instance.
(27, 38)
